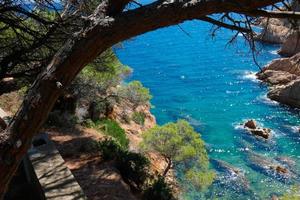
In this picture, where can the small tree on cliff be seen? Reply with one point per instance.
(180, 146)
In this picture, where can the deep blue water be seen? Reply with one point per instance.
(209, 83)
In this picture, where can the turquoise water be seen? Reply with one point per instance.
(211, 84)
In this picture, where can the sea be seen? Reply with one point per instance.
(201, 77)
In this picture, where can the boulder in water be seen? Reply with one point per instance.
(261, 132)
(251, 124)
(252, 127)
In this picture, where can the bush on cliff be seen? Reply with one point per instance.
(111, 128)
(139, 118)
(133, 166)
(159, 190)
(183, 149)
(135, 93)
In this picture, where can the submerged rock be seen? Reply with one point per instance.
(286, 161)
(230, 177)
(270, 167)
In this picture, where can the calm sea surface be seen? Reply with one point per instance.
(212, 85)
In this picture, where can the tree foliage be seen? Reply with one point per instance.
(135, 93)
(111, 128)
(181, 146)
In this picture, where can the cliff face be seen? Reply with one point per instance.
(274, 30)
(280, 31)
(291, 44)
(283, 76)
(289, 94)
(134, 131)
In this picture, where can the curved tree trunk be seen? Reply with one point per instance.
(101, 33)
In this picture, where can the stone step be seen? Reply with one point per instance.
(56, 180)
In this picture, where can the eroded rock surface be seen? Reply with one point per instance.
(283, 76)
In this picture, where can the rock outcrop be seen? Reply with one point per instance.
(289, 94)
(274, 30)
(252, 128)
(291, 44)
(283, 76)
(251, 124)
(280, 31)
(123, 113)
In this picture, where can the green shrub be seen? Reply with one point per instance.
(139, 118)
(110, 149)
(111, 128)
(89, 123)
(159, 190)
(133, 167)
(135, 92)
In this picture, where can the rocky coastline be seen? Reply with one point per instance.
(282, 75)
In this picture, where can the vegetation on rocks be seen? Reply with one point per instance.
(138, 117)
(135, 92)
(159, 190)
(135, 169)
(110, 128)
(183, 148)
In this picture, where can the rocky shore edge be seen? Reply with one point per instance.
(282, 75)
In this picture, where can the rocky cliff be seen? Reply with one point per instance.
(283, 76)
(280, 31)
(123, 113)
(274, 30)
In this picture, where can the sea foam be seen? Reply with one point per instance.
(266, 100)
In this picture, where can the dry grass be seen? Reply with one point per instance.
(10, 102)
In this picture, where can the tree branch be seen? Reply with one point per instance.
(224, 25)
(273, 14)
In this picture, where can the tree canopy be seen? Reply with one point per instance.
(181, 147)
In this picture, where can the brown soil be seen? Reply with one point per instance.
(98, 179)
